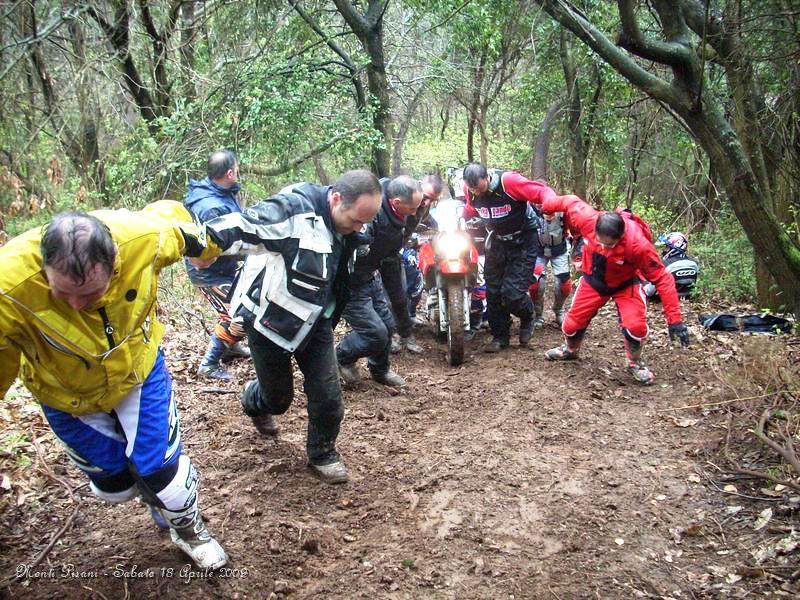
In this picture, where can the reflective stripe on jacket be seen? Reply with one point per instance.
(298, 267)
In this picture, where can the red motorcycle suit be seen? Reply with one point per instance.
(614, 272)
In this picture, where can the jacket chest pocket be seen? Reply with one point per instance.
(310, 270)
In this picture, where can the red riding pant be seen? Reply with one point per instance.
(631, 310)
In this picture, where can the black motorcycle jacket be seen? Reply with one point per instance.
(500, 211)
(384, 237)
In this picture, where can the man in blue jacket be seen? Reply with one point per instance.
(207, 199)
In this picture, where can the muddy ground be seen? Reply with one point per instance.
(507, 477)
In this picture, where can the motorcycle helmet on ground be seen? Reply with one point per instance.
(676, 243)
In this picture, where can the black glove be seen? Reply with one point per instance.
(680, 332)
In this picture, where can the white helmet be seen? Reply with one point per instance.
(676, 242)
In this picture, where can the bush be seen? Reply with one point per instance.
(725, 256)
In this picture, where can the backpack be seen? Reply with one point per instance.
(628, 213)
(760, 323)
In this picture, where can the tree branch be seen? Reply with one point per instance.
(357, 22)
(786, 452)
(571, 18)
(361, 96)
(632, 40)
(290, 164)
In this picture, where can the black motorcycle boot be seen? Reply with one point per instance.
(525, 332)
(496, 345)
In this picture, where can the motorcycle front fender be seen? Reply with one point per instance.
(453, 267)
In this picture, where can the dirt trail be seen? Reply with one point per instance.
(508, 477)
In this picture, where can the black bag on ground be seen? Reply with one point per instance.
(763, 323)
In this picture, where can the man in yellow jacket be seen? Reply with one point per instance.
(78, 326)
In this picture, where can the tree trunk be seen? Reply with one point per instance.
(188, 34)
(541, 146)
(402, 132)
(471, 125)
(735, 151)
(577, 153)
(368, 28)
(319, 169)
(91, 165)
(484, 145)
(118, 36)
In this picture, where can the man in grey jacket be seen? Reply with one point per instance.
(290, 294)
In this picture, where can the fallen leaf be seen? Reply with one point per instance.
(6, 484)
(730, 488)
(718, 571)
(788, 544)
(619, 541)
(750, 572)
(684, 422)
(763, 518)
(695, 529)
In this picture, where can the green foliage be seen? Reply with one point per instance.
(725, 256)
(133, 170)
(425, 152)
(727, 268)
(10, 442)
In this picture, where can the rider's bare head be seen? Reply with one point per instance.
(74, 243)
(405, 195)
(473, 173)
(78, 255)
(432, 186)
(609, 229)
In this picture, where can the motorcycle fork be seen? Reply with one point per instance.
(441, 287)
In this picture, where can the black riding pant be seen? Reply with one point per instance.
(509, 273)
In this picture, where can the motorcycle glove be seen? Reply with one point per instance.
(678, 331)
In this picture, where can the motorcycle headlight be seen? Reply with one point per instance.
(452, 245)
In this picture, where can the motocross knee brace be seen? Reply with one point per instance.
(562, 291)
(173, 492)
(114, 489)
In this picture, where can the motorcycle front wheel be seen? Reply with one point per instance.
(455, 322)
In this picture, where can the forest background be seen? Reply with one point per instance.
(686, 111)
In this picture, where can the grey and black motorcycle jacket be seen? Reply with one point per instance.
(297, 266)
(552, 237)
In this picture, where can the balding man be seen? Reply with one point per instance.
(367, 312)
(78, 325)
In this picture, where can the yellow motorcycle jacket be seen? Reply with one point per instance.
(87, 361)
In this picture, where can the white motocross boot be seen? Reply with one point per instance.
(187, 530)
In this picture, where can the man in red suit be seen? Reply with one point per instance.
(617, 249)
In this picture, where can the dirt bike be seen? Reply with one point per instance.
(449, 265)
